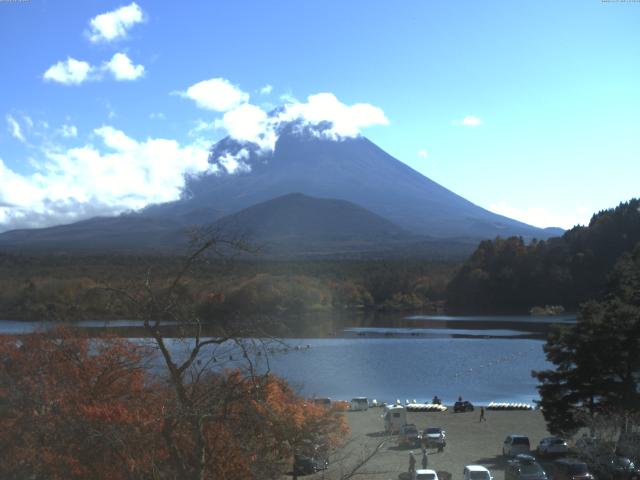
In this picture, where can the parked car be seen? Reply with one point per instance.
(322, 402)
(409, 436)
(552, 446)
(570, 469)
(304, 464)
(524, 467)
(463, 406)
(515, 444)
(434, 437)
(615, 467)
(425, 474)
(476, 472)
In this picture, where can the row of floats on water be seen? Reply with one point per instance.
(436, 407)
(509, 406)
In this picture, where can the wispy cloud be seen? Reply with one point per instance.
(15, 129)
(68, 131)
(541, 217)
(422, 153)
(469, 121)
(114, 25)
(266, 90)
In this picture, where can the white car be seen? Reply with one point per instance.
(476, 472)
(552, 446)
(425, 474)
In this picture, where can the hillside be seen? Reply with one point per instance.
(508, 275)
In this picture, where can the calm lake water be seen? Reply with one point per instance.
(482, 359)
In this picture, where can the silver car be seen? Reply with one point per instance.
(552, 446)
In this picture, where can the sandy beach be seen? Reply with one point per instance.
(469, 441)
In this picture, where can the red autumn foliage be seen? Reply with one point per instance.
(78, 408)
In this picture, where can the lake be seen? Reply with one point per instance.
(482, 359)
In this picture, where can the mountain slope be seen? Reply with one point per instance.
(352, 169)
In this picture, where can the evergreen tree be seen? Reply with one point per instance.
(597, 361)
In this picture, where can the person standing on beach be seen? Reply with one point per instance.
(425, 459)
(482, 419)
(412, 462)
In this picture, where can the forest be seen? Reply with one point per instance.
(79, 287)
(511, 276)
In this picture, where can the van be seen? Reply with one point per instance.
(359, 404)
(395, 417)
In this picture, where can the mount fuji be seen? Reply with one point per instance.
(378, 193)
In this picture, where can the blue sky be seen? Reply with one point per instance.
(530, 109)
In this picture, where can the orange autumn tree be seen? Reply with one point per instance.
(80, 408)
(73, 408)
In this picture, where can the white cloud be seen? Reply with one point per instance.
(469, 121)
(325, 115)
(69, 72)
(266, 90)
(345, 120)
(114, 25)
(216, 94)
(288, 98)
(248, 123)
(205, 127)
(122, 68)
(68, 131)
(14, 129)
(541, 217)
(422, 153)
(116, 175)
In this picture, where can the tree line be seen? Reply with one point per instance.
(73, 288)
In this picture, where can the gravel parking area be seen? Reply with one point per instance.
(469, 441)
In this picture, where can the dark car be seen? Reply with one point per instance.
(524, 467)
(304, 464)
(463, 406)
(615, 467)
(409, 436)
(571, 469)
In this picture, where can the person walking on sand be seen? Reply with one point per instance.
(412, 462)
(482, 419)
(425, 458)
